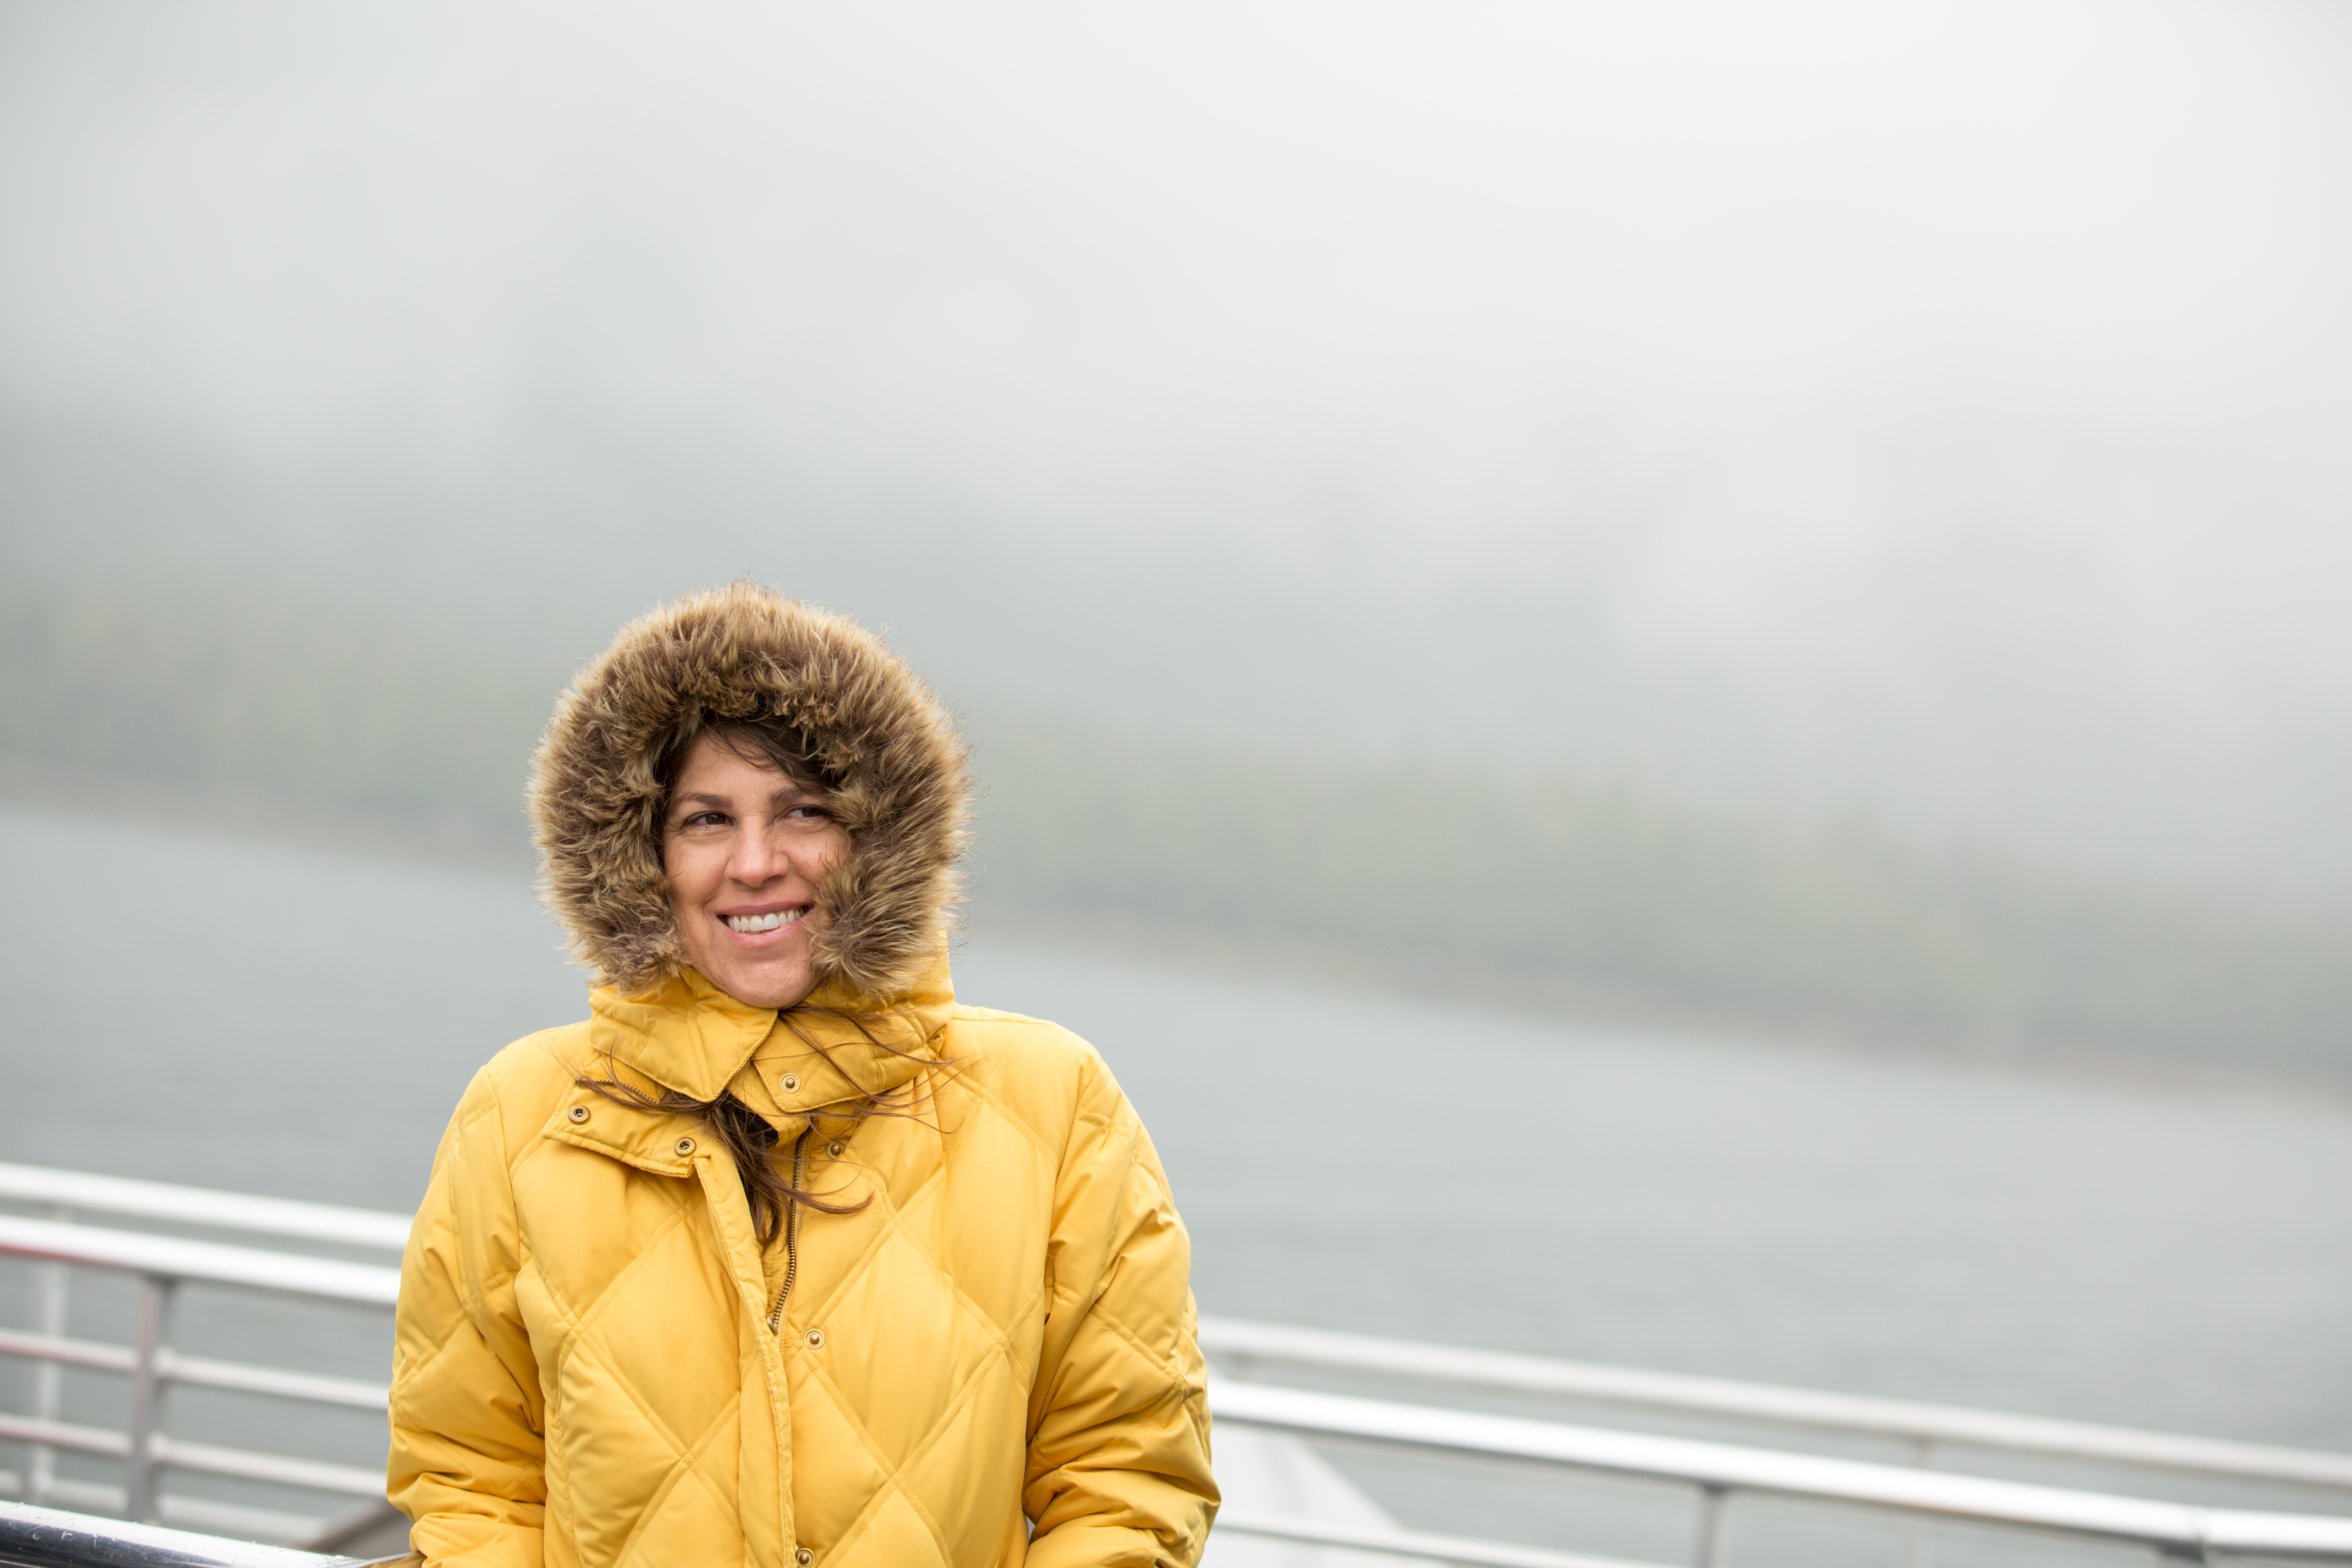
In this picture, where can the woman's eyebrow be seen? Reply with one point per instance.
(702, 800)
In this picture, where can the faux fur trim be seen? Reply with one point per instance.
(739, 652)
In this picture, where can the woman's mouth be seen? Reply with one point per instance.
(773, 920)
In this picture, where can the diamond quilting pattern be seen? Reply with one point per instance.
(836, 1475)
(962, 1229)
(898, 1300)
(897, 1535)
(684, 1511)
(608, 1433)
(689, 1378)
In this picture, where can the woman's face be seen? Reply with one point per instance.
(745, 847)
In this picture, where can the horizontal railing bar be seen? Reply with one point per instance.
(347, 1479)
(311, 1387)
(1506, 1373)
(1453, 1549)
(46, 1537)
(64, 1435)
(205, 1207)
(2094, 1515)
(316, 1473)
(239, 1519)
(204, 1261)
(200, 1371)
(67, 1352)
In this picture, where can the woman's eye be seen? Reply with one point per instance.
(808, 812)
(704, 819)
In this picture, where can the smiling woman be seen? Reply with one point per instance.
(747, 838)
(784, 1255)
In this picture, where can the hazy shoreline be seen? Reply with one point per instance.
(470, 847)
(242, 814)
(1581, 1006)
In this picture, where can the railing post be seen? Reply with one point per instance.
(1918, 1551)
(1711, 1547)
(142, 1484)
(48, 1377)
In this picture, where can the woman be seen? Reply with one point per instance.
(785, 1257)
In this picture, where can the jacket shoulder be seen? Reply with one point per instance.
(522, 1085)
(1041, 1045)
(1050, 1077)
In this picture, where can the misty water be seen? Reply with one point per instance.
(281, 1017)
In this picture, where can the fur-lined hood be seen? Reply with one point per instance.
(740, 652)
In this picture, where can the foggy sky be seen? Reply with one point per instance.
(1938, 409)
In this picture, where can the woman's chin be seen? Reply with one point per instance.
(777, 980)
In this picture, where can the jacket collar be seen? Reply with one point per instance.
(685, 1034)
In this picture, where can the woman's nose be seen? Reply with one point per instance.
(758, 856)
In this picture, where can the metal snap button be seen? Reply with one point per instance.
(816, 1339)
(803, 1557)
(835, 1147)
(789, 1082)
(685, 1147)
(579, 1113)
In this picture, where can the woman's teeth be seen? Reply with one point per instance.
(773, 921)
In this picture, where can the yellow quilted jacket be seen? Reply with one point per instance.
(992, 1362)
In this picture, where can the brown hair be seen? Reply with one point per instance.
(763, 742)
(746, 1136)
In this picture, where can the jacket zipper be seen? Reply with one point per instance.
(791, 1240)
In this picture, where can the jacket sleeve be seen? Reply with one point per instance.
(466, 1419)
(1118, 1471)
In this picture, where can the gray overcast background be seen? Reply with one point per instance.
(1939, 411)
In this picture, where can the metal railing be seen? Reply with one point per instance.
(286, 1218)
(1245, 1346)
(161, 1265)
(44, 1538)
(1420, 1545)
(1717, 1473)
